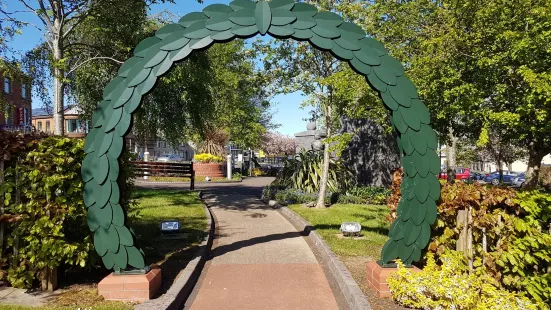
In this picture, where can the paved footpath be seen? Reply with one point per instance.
(259, 260)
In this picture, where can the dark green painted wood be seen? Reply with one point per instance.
(321, 43)
(283, 5)
(100, 169)
(154, 56)
(281, 31)
(217, 9)
(263, 16)
(121, 258)
(243, 17)
(124, 236)
(351, 30)
(100, 239)
(281, 17)
(169, 29)
(304, 21)
(219, 23)
(135, 257)
(191, 18)
(329, 18)
(118, 214)
(243, 4)
(389, 101)
(244, 31)
(108, 260)
(303, 34)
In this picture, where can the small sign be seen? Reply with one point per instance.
(170, 226)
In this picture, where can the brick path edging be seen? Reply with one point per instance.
(180, 290)
(354, 296)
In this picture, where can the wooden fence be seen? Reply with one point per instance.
(158, 169)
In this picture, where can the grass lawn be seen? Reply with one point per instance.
(172, 253)
(353, 252)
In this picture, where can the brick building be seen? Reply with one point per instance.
(43, 121)
(17, 94)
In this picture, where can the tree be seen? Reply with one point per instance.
(62, 52)
(275, 143)
(470, 61)
(293, 66)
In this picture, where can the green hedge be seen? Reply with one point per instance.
(45, 217)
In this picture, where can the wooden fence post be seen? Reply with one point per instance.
(465, 241)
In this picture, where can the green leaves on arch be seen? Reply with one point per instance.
(281, 19)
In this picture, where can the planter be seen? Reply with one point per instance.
(213, 170)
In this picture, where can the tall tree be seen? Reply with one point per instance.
(62, 52)
(471, 60)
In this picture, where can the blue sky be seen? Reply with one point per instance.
(286, 110)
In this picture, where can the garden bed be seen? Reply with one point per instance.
(171, 254)
(353, 252)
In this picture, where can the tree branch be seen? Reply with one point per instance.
(91, 59)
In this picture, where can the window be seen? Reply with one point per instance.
(23, 90)
(39, 126)
(47, 126)
(75, 126)
(7, 85)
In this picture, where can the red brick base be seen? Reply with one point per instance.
(376, 278)
(130, 287)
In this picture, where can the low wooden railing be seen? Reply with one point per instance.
(158, 169)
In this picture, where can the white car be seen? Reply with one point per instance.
(170, 158)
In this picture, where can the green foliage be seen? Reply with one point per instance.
(304, 173)
(44, 209)
(366, 195)
(514, 226)
(451, 286)
(44, 190)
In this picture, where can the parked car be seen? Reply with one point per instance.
(508, 176)
(476, 176)
(519, 180)
(460, 174)
(170, 158)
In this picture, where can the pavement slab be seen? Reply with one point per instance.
(259, 260)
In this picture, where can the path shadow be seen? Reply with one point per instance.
(223, 249)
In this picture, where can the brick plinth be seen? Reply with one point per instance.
(376, 278)
(130, 287)
(213, 170)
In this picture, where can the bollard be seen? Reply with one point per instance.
(145, 158)
(229, 167)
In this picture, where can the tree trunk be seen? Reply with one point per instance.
(326, 157)
(59, 85)
(451, 156)
(533, 171)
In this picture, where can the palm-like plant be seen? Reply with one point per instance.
(304, 173)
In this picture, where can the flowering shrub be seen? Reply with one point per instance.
(451, 286)
(208, 158)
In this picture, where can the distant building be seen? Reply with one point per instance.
(17, 94)
(43, 121)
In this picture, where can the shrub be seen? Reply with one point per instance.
(43, 189)
(366, 195)
(46, 216)
(291, 196)
(451, 286)
(257, 172)
(304, 173)
(509, 230)
(207, 158)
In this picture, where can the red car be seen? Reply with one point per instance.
(460, 174)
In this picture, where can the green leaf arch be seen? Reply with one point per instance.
(283, 19)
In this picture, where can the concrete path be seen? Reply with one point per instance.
(259, 260)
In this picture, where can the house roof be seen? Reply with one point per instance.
(41, 112)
